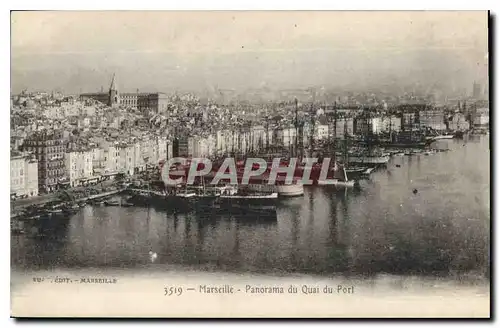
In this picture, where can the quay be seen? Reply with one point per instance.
(40, 220)
(55, 198)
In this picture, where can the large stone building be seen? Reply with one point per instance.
(155, 101)
(48, 147)
(433, 119)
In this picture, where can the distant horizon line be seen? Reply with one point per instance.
(305, 91)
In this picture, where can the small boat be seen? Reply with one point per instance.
(112, 203)
(97, 202)
(368, 171)
(443, 136)
(126, 204)
(55, 211)
(355, 170)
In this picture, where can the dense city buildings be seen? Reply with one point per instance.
(80, 140)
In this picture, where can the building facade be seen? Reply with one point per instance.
(79, 166)
(49, 148)
(409, 121)
(433, 119)
(23, 175)
(390, 124)
(367, 125)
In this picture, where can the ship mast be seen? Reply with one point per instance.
(296, 127)
(345, 145)
(335, 130)
(390, 127)
(313, 124)
(334, 120)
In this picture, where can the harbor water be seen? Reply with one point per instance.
(421, 216)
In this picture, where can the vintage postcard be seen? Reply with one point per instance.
(250, 164)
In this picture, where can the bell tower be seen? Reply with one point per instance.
(114, 96)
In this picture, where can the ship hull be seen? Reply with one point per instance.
(167, 202)
(369, 160)
(442, 137)
(337, 183)
(291, 190)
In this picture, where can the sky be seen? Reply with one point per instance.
(240, 50)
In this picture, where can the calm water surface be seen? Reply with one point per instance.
(382, 228)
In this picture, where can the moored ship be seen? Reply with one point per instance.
(368, 157)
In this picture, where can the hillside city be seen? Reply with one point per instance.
(63, 141)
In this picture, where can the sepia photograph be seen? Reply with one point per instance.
(250, 164)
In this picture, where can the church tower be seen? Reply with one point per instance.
(114, 97)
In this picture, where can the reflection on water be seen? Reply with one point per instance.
(384, 227)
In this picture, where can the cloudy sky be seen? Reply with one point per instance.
(153, 51)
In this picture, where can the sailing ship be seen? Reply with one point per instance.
(340, 177)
